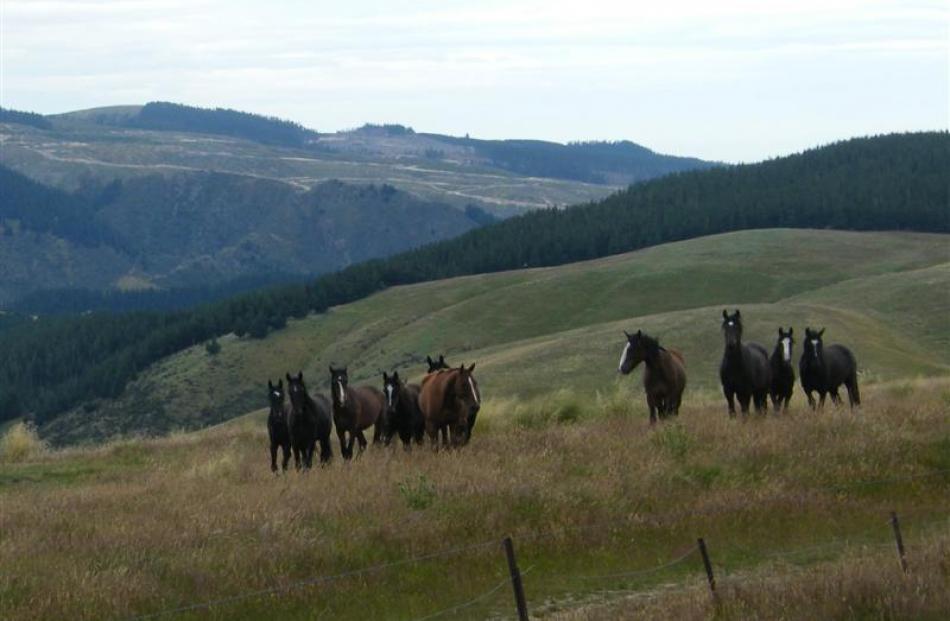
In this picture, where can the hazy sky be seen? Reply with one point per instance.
(729, 80)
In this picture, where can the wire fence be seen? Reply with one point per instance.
(530, 536)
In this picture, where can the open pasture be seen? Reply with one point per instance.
(794, 509)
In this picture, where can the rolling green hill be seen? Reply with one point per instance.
(535, 331)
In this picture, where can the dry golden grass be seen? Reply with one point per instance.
(21, 443)
(583, 484)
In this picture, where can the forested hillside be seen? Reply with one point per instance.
(193, 229)
(888, 182)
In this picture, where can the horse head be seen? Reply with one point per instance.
(732, 328)
(339, 379)
(275, 395)
(468, 399)
(639, 347)
(392, 388)
(436, 365)
(298, 392)
(813, 347)
(785, 343)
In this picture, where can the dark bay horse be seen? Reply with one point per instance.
(664, 378)
(825, 369)
(449, 401)
(355, 409)
(277, 429)
(744, 372)
(309, 423)
(435, 365)
(403, 415)
(783, 373)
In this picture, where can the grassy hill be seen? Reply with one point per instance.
(533, 332)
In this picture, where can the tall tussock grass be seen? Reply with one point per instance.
(582, 482)
(21, 443)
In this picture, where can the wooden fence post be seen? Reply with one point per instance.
(707, 565)
(516, 580)
(895, 524)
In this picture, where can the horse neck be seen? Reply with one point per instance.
(733, 353)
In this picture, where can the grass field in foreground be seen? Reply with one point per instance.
(794, 509)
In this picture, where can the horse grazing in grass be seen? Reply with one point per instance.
(403, 415)
(744, 372)
(436, 365)
(354, 410)
(664, 378)
(825, 369)
(309, 423)
(449, 401)
(783, 373)
(277, 429)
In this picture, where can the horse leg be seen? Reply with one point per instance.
(326, 449)
(744, 399)
(273, 456)
(341, 434)
(730, 396)
(821, 399)
(285, 448)
(433, 432)
(854, 397)
(362, 440)
(651, 403)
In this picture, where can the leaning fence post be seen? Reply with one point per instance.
(707, 565)
(516, 579)
(896, 525)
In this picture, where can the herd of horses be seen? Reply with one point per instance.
(447, 400)
(747, 372)
(445, 403)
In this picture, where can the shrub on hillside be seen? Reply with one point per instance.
(21, 443)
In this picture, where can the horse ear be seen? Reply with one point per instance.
(791, 329)
(395, 376)
(821, 333)
(429, 360)
(385, 378)
(269, 385)
(737, 313)
(725, 315)
(639, 332)
(471, 368)
(441, 358)
(288, 376)
(300, 375)
(280, 384)
(626, 334)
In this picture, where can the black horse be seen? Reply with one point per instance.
(310, 422)
(277, 429)
(783, 373)
(825, 369)
(403, 415)
(744, 371)
(435, 365)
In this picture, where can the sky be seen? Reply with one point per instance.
(729, 80)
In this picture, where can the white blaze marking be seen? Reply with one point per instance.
(731, 323)
(389, 395)
(787, 349)
(474, 391)
(342, 392)
(623, 356)
(277, 394)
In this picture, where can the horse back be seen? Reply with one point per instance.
(432, 396)
(840, 364)
(371, 404)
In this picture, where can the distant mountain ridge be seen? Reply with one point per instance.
(614, 163)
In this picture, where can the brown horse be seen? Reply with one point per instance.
(664, 378)
(355, 409)
(447, 400)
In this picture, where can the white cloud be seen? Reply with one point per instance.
(730, 80)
